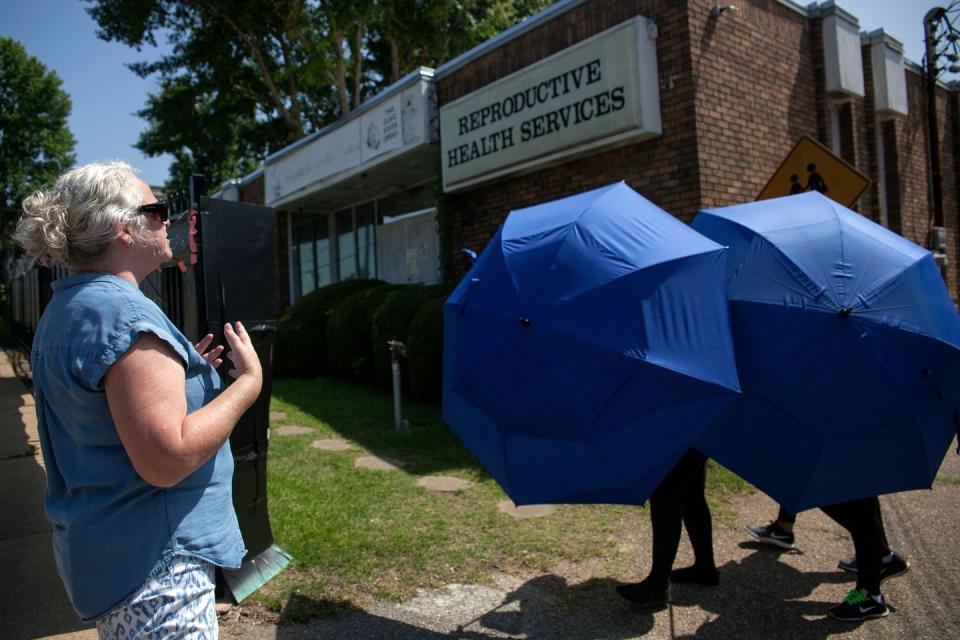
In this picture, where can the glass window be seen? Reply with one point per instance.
(303, 245)
(415, 198)
(322, 252)
(311, 249)
(346, 244)
(366, 240)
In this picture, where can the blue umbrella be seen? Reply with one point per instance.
(848, 350)
(587, 348)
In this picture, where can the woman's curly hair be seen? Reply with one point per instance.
(77, 218)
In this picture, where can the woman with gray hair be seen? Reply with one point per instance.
(133, 419)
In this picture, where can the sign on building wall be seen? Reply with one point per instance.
(397, 124)
(812, 167)
(598, 93)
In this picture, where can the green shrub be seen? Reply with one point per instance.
(425, 340)
(392, 322)
(349, 345)
(300, 350)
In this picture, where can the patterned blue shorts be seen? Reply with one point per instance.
(175, 603)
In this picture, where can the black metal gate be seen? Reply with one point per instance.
(224, 270)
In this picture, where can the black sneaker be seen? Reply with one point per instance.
(644, 593)
(696, 575)
(859, 606)
(893, 565)
(772, 534)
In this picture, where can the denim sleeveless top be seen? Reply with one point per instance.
(110, 528)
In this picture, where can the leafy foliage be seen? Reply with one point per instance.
(35, 143)
(349, 343)
(248, 77)
(391, 321)
(426, 352)
(301, 347)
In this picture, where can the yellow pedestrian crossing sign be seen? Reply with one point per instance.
(813, 167)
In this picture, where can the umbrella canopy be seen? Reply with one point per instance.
(587, 348)
(848, 350)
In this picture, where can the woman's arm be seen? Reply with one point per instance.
(144, 391)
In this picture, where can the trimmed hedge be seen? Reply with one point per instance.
(300, 350)
(425, 340)
(392, 322)
(349, 342)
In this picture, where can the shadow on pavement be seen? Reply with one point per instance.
(544, 608)
(33, 603)
(759, 598)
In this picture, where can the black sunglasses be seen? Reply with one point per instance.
(160, 208)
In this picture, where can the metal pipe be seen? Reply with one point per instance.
(397, 350)
(933, 129)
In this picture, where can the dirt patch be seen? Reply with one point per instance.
(444, 484)
(526, 511)
(331, 444)
(292, 430)
(377, 463)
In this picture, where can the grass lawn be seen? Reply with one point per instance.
(358, 534)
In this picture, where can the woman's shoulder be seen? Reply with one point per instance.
(98, 309)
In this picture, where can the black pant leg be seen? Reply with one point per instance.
(666, 521)
(696, 513)
(883, 531)
(786, 516)
(860, 518)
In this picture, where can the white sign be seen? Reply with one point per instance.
(596, 93)
(380, 130)
(391, 127)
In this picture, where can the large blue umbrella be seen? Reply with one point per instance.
(848, 350)
(587, 348)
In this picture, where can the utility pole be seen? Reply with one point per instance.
(940, 39)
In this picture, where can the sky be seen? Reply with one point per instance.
(106, 95)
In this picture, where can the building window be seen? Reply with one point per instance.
(365, 220)
(311, 254)
(346, 244)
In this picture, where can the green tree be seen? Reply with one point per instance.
(36, 145)
(410, 33)
(248, 77)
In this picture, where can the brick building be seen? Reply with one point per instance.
(693, 104)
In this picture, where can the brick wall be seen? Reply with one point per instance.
(253, 192)
(755, 84)
(664, 169)
(736, 93)
(916, 210)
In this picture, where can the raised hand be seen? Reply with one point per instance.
(212, 356)
(242, 354)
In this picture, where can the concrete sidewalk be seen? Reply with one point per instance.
(763, 594)
(33, 603)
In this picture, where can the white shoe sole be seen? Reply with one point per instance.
(777, 543)
(860, 619)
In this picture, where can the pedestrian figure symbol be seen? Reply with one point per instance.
(795, 186)
(815, 181)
